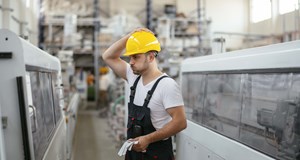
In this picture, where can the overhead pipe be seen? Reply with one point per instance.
(22, 26)
(298, 20)
(149, 14)
(41, 26)
(97, 25)
(199, 26)
(6, 8)
(201, 20)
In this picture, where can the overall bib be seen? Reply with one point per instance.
(139, 123)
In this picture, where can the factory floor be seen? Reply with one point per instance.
(92, 139)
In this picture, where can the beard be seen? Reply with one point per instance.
(138, 70)
(135, 71)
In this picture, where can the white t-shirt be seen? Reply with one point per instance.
(166, 95)
(103, 82)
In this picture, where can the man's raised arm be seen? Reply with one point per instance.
(112, 57)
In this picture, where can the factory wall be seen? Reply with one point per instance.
(5, 14)
(276, 25)
(226, 16)
(23, 11)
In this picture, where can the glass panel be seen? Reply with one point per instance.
(56, 91)
(223, 101)
(48, 102)
(186, 95)
(42, 101)
(259, 110)
(193, 88)
(268, 114)
(197, 89)
(290, 143)
(40, 134)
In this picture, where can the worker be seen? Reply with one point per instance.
(90, 86)
(103, 91)
(155, 109)
(90, 79)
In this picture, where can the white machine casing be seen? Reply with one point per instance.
(18, 59)
(205, 142)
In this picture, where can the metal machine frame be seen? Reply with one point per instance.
(204, 139)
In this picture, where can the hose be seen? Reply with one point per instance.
(116, 102)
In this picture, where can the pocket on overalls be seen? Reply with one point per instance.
(140, 116)
(158, 154)
(161, 150)
(130, 122)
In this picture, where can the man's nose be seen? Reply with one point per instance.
(131, 61)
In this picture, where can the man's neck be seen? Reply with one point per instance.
(151, 75)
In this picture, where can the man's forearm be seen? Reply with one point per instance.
(168, 130)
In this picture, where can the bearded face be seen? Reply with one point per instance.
(139, 63)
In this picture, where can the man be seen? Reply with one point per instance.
(103, 91)
(155, 110)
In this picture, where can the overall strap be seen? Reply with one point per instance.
(132, 89)
(150, 92)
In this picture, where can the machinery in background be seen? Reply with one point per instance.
(242, 105)
(71, 111)
(284, 121)
(31, 100)
(71, 95)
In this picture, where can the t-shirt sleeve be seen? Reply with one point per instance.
(172, 96)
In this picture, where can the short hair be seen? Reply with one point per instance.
(154, 52)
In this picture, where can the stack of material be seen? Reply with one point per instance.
(87, 43)
(116, 122)
(60, 8)
(106, 39)
(68, 70)
(123, 23)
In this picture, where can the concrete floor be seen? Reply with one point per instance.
(92, 140)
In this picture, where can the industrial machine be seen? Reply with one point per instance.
(242, 105)
(31, 102)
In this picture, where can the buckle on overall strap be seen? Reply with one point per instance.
(132, 91)
(148, 97)
(150, 92)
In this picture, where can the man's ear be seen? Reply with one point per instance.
(151, 56)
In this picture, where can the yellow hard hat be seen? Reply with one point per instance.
(141, 42)
(103, 70)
